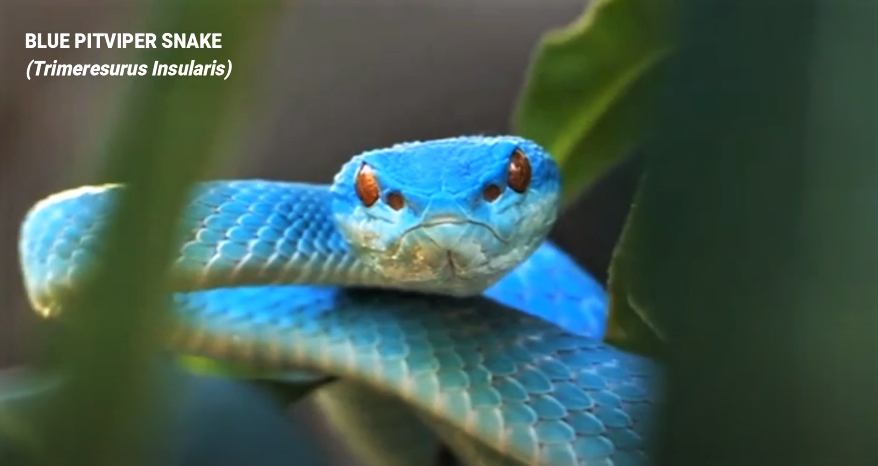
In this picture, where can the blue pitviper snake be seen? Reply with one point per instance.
(421, 274)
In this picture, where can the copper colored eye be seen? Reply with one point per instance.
(491, 192)
(367, 186)
(519, 172)
(395, 200)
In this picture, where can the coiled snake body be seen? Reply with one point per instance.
(422, 274)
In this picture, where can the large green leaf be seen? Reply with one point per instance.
(590, 87)
(588, 99)
(630, 324)
(160, 142)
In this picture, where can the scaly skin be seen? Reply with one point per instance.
(499, 385)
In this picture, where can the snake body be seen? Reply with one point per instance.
(421, 273)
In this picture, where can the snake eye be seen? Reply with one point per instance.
(519, 171)
(395, 200)
(491, 192)
(367, 186)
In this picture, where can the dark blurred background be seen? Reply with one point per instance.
(341, 77)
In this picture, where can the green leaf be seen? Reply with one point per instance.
(160, 142)
(288, 386)
(214, 368)
(23, 394)
(588, 99)
(630, 324)
(590, 87)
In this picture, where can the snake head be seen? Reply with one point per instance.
(448, 216)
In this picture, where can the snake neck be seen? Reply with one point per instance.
(263, 232)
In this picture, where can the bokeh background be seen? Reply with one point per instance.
(338, 77)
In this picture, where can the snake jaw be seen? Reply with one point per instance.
(447, 254)
(455, 255)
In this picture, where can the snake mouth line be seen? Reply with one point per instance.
(397, 244)
(445, 221)
(452, 221)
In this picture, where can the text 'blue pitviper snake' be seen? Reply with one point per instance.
(421, 273)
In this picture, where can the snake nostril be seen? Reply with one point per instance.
(395, 200)
(491, 192)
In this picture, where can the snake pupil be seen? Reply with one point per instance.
(395, 200)
(519, 172)
(491, 192)
(366, 186)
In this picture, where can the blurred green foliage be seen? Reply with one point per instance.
(109, 404)
(589, 99)
(757, 234)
